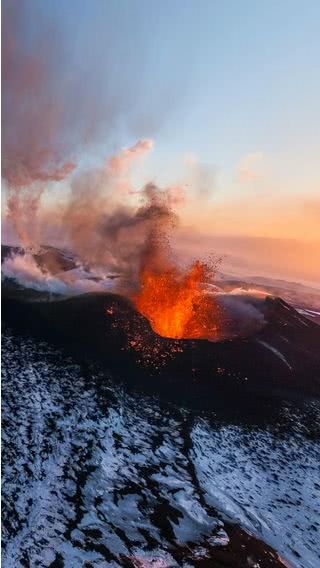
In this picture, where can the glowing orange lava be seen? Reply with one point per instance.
(176, 304)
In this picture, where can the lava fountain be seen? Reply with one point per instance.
(176, 302)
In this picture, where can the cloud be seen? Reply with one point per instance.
(248, 168)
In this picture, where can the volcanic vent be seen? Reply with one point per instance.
(172, 297)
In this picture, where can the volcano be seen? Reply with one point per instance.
(138, 480)
(280, 358)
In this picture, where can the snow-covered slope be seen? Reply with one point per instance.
(94, 476)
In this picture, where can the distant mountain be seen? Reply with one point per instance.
(298, 295)
(47, 257)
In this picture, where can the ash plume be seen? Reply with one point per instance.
(51, 114)
(33, 154)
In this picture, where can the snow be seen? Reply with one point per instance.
(275, 351)
(91, 473)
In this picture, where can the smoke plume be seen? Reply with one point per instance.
(33, 153)
(111, 225)
(51, 114)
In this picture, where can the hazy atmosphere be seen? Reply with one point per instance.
(227, 93)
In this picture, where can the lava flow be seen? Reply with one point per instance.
(176, 303)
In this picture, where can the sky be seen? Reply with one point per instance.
(228, 90)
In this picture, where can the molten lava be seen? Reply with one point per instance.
(176, 304)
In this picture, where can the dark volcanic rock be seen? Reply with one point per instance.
(281, 359)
